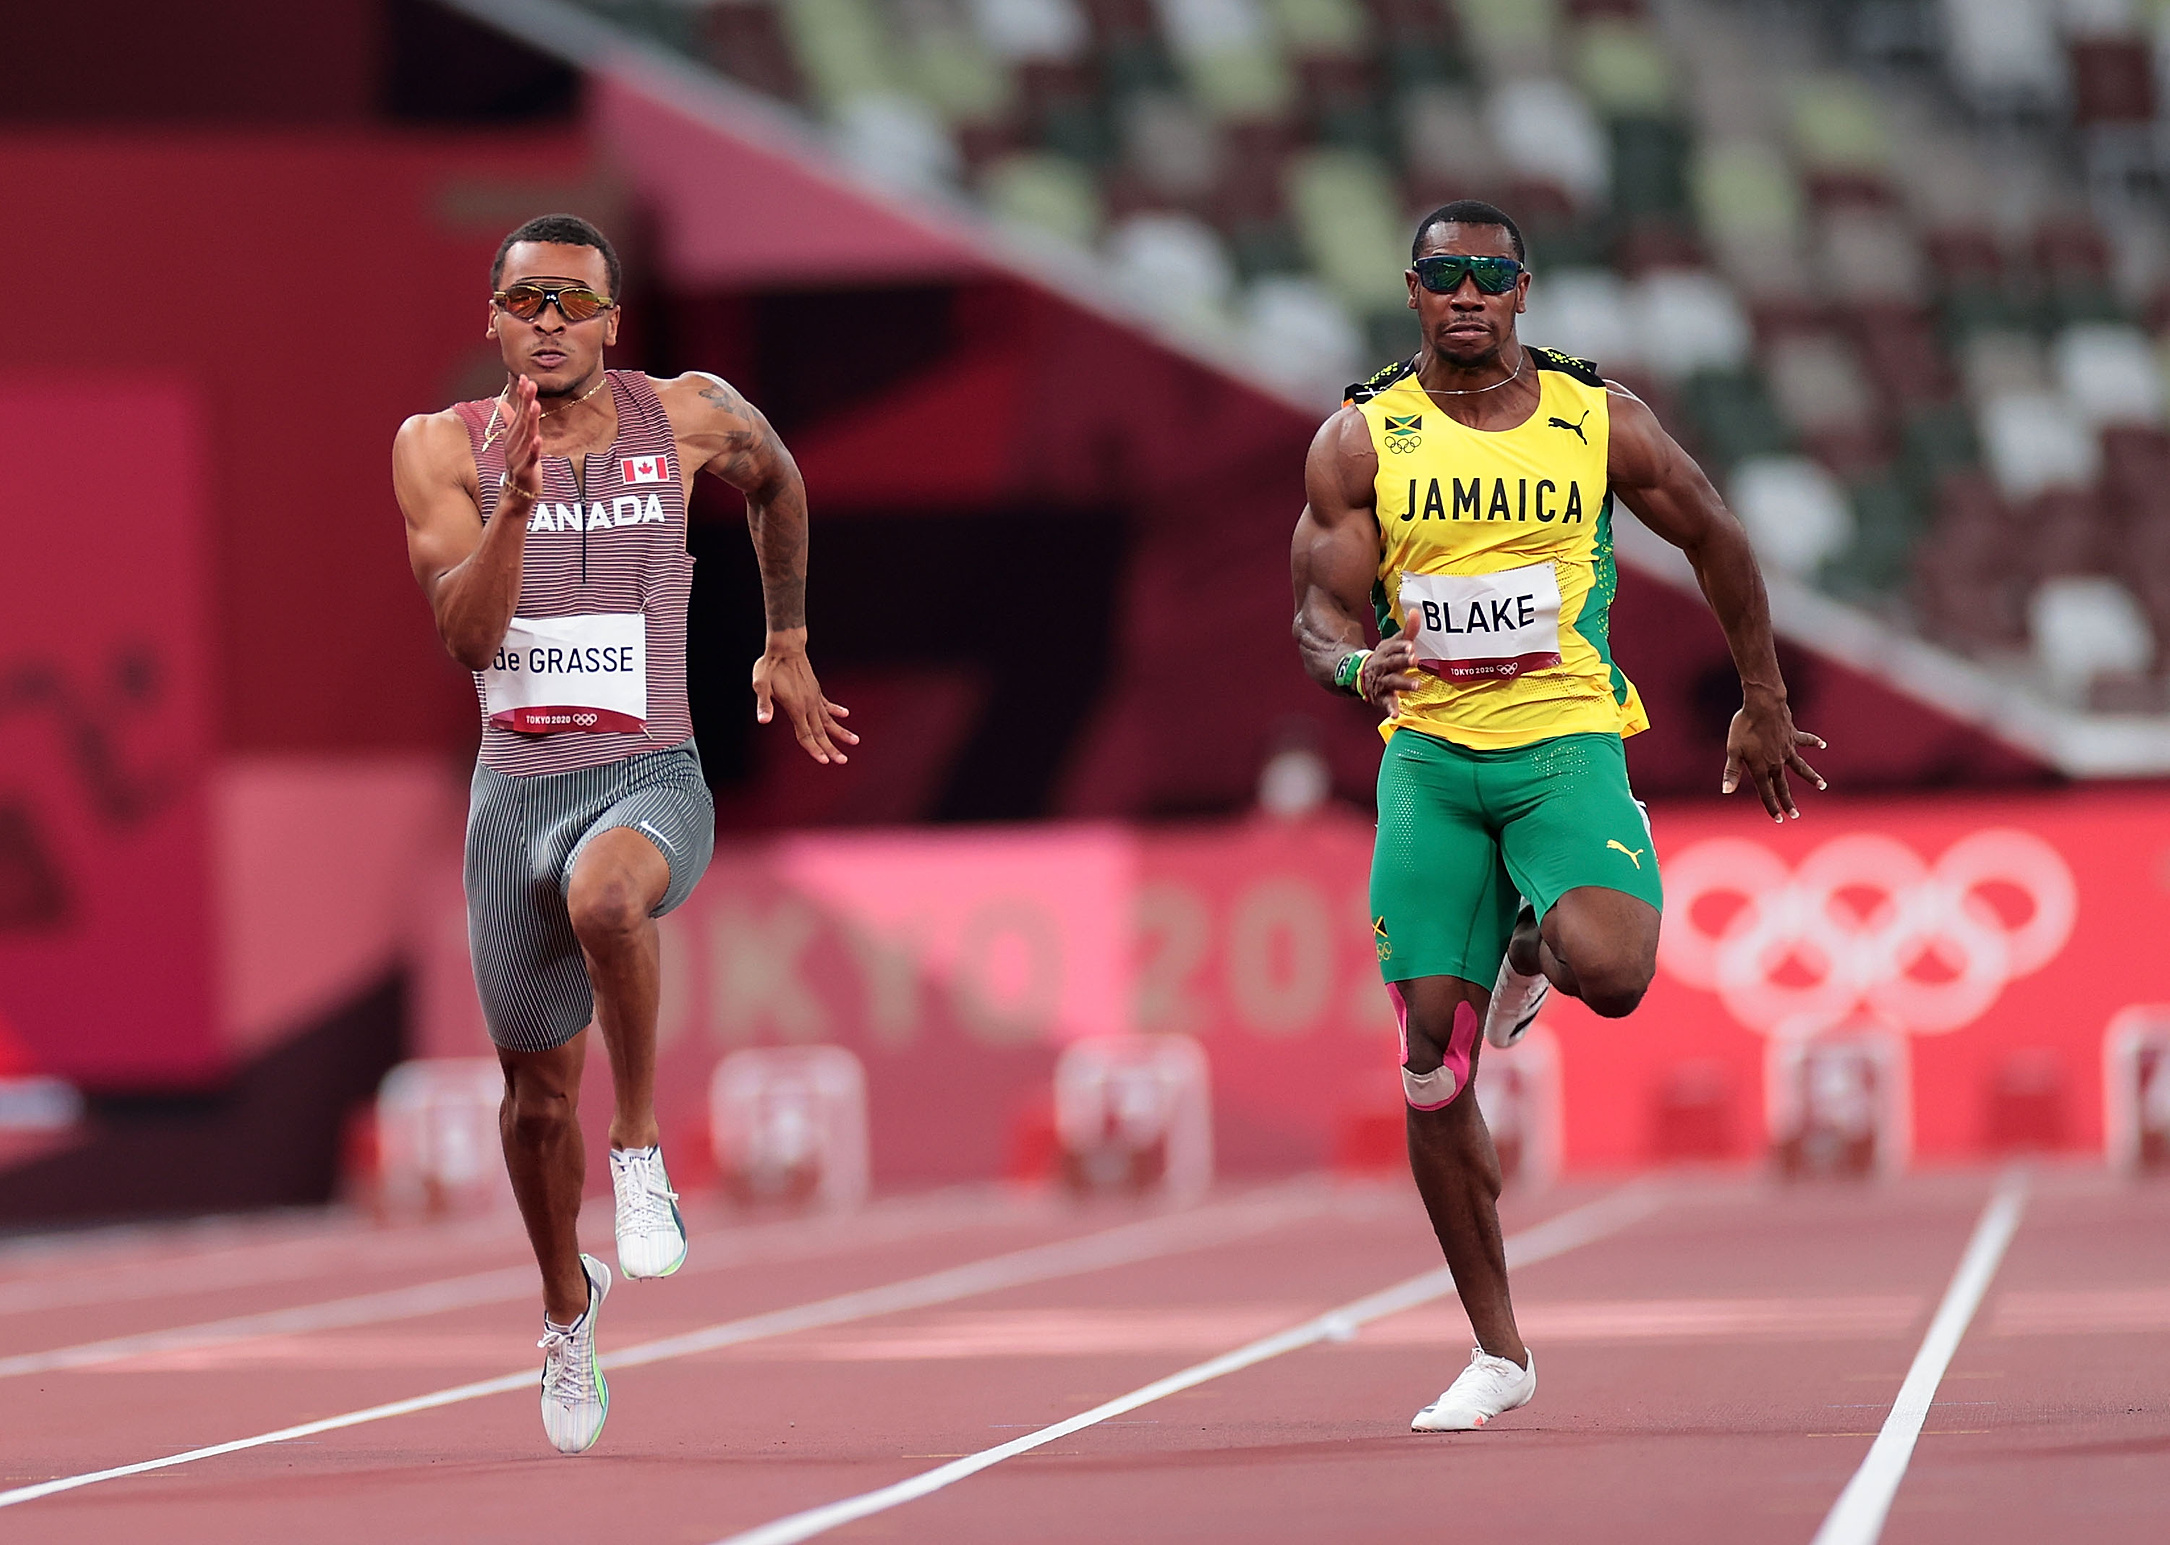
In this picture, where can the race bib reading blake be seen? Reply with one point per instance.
(1472, 627)
(570, 673)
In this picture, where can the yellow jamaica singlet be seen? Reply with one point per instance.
(1501, 541)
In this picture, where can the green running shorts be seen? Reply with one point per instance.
(1463, 835)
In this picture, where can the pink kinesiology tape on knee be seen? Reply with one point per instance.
(1436, 1090)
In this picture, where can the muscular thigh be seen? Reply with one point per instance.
(1569, 821)
(1441, 903)
(650, 825)
(657, 831)
(528, 969)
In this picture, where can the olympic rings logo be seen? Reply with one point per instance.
(1865, 924)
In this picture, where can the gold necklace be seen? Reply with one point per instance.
(489, 430)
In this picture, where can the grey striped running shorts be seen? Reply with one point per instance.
(524, 834)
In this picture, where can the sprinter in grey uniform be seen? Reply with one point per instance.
(547, 526)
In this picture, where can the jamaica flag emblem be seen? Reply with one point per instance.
(1401, 431)
(1379, 941)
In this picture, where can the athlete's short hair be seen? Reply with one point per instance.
(1469, 211)
(562, 231)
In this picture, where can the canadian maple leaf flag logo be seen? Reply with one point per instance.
(642, 469)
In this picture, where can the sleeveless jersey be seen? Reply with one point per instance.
(1502, 540)
(610, 541)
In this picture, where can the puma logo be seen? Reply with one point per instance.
(1635, 855)
(1576, 430)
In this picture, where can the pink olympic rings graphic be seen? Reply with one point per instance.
(1864, 925)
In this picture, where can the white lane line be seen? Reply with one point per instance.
(1171, 1234)
(1553, 1237)
(61, 1285)
(1857, 1518)
(230, 1255)
(366, 1247)
(761, 1243)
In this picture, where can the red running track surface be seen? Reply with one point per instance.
(1713, 1370)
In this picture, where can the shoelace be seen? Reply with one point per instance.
(647, 1204)
(565, 1366)
(1475, 1353)
(1504, 1377)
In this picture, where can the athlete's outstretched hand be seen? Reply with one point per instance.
(783, 675)
(1392, 669)
(523, 439)
(1763, 743)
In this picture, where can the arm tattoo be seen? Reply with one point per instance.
(723, 395)
(738, 463)
(753, 461)
(778, 527)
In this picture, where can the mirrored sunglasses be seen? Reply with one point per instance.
(1443, 272)
(575, 302)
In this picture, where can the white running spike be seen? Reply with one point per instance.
(575, 1395)
(1515, 1001)
(1488, 1387)
(651, 1230)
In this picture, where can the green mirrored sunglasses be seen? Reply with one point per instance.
(1443, 272)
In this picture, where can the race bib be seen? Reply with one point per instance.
(1474, 627)
(570, 673)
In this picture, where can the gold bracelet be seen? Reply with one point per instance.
(506, 486)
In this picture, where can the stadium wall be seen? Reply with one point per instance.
(1961, 932)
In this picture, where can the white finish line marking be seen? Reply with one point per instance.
(1857, 1518)
(1555, 1236)
(1172, 1234)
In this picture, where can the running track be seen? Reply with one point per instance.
(1716, 1356)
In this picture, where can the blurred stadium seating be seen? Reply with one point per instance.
(1895, 268)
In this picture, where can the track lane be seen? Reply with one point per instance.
(717, 1427)
(1857, 1518)
(1678, 1439)
(712, 1249)
(65, 1311)
(1812, 1300)
(55, 1422)
(1342, 1323)
(1069, 1254)
(2058, 1426)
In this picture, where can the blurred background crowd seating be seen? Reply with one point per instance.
(1894, 268)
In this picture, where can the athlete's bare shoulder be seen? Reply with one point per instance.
(698, 400)
(1345, 438)
(719, 431)
(1342, 464)
(1638, 448)
(433, 447)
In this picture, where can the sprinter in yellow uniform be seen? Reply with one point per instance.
(1463, 502)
